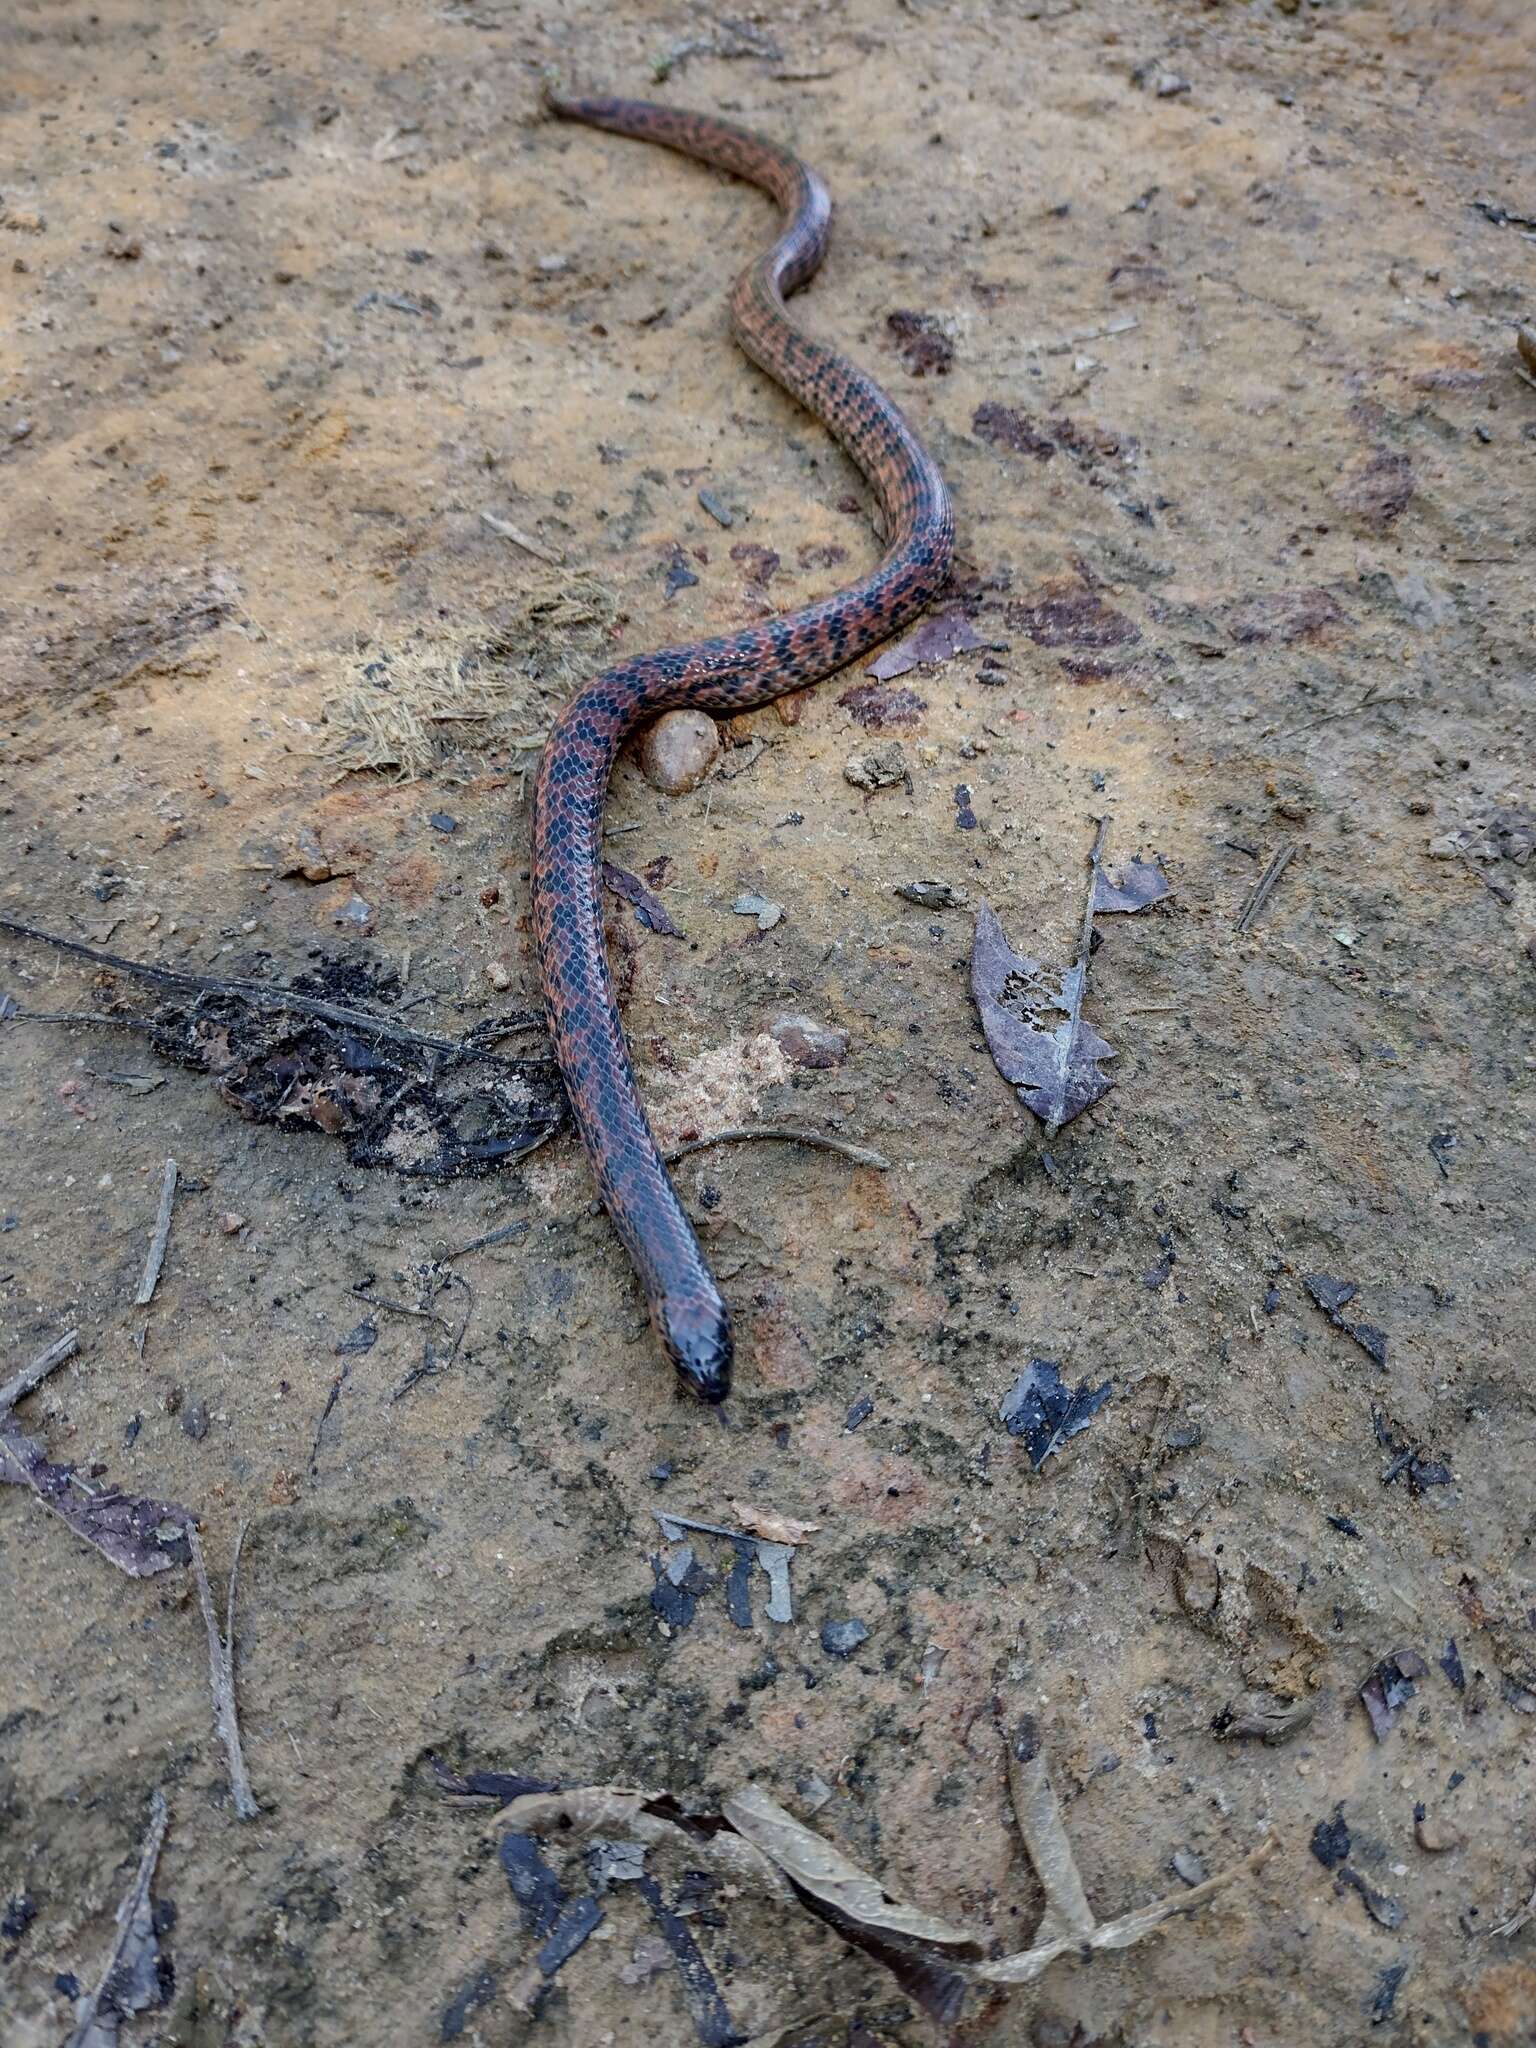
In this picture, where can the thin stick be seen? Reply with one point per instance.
(133, 1914)
(1264, 888)
(221, 1670)
(507, 531)
(274, 995)
(505, 1235)
(20, 1384)
(1369, 702)
(817, 1140)
(157, 1244)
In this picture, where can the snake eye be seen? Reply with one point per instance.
(697, 1339)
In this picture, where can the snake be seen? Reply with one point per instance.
(729, 673)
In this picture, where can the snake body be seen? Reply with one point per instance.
(733, 672)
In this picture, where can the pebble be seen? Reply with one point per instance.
(767, 913)
(678, 751)
(1435, 1837)
(842, 1638)
(805, 1043)
(232, 1222)
(934, 895)
(1525, 341)
(194, 1420)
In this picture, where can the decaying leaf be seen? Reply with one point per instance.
(138, 1535)
(773, 1528)
(940, 636)
(648, 908)
(1032, 1017)
(1389, 1689)
(1131, 888)
(920, 1950)
(1043, 1411)
(136, 1977)
(766, 1849)
(1266, 1716)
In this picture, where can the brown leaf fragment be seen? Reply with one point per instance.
(1068, 611)
(921, 342)
(1269, 1717)
(649, 911)
(1012, 428)
(136, 1977)
(1375, 489)
(1389, 1689)
(771, 1526)
(940, 636)
(1302, 613)
(879, 708)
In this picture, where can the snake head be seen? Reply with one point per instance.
(696, 1336)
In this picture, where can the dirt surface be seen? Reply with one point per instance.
(287, 308)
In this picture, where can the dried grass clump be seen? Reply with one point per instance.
(469, 690)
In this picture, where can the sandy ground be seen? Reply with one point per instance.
(287, 305)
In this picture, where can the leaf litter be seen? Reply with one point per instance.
(1044, 1412)
(765, 1851)
(140, 1536)
(1032, 1014)
(940, 637)
(1333, 1297)
(649, 910)
(310, 1054)
(137, 1977)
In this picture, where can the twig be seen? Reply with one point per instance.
(507, 531)
(1264, 888)
(274, 995)
(1067, 1925)
(20, 1384)
(157, 1244)
(134, 1912)
(1369, 702)
(505, 1235)
(221, 1669)
(1074, 983)
(431, 1363)
(325, 1413)
(1517, 1919)
(817, 1140)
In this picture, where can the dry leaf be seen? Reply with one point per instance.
(773, 1528)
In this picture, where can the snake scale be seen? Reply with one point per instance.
(731, 673)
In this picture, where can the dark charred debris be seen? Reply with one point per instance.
(1408, 1461)
(1389, 1689)
(1333, 1296)
(1043, 1412)
(325, 1053)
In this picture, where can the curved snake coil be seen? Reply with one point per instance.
(734, 672)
